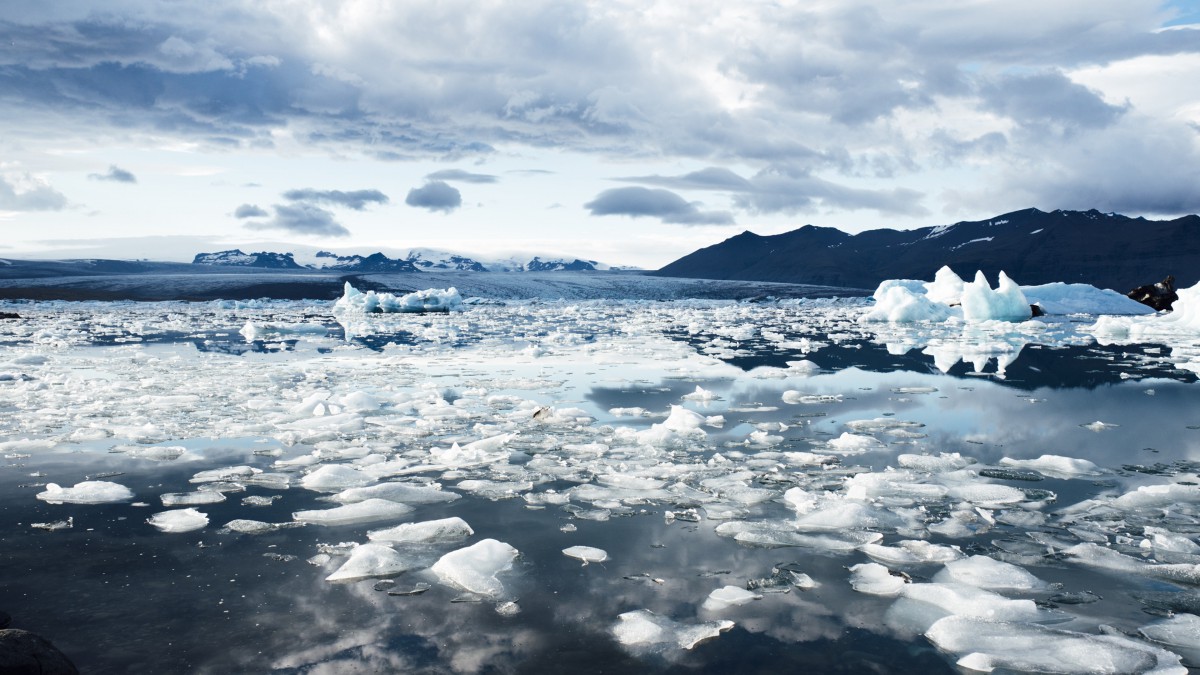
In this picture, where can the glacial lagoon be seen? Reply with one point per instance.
(756, 487)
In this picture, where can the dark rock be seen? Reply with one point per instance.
(9, 315)
(1037, 310)
(25, 653)
(1160, 296)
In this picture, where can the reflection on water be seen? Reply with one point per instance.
(813, 435)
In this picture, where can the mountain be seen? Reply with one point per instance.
(264, 259)
(1033, 247)
(415, 260)
(376, 263)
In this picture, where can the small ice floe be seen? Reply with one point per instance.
(1056, 466)
(444, 530)
(396, 492)
(984, 572)
(366, 511)
(854, 444)
(644, 630)
(229, 473)
(181, 520)
(334, 478)
(245, 526)
(1099, 426)
(475, 568)
(258, 500)
(701, 395)
(941, 463)
(794, 397)
(1181, 633)
(875, 579)
(55, 526)
(986, 645)
(87, 492)
(587, 554)
(192, 498)
(372, 561)
(912, 552)
(728, 596)
(428, 300)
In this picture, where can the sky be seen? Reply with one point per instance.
(626, 131)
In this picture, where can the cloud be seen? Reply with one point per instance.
(781, 189)
(24, 192)
(115, 174)
(461, 176)
(1048, 98)
(665, 205)
(356, 199)
(301, 218)
(435, 196)
(249, 211)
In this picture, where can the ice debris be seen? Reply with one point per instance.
(366, 511)
(728, 596)
(87, 492)
(372, 560)
(181, 520)
(439, 531)
(643, 629)
(587, 554)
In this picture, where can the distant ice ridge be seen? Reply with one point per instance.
(428, 300)
(948, 297)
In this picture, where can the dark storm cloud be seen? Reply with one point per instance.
(249, 211)
(114, 174)
(303, 219)
(435, 196)
(38, 197)
(355, 199)
(461, 176)
(1048, 98)
(665, 205)
(788, 190)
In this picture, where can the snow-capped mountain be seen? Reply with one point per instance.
(414, 260)
(1107, 250)
(235, 257)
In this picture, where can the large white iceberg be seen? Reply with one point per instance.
(948, 296)
(428, 300)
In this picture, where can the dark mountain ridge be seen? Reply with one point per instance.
(1033, 247)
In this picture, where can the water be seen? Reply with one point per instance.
(102, 383)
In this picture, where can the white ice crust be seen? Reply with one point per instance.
(429, 300)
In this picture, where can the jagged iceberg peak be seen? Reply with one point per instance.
(428, 300)
(1006, 303)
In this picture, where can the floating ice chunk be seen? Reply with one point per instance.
(1055, 466)
(984, 572)
(643, 629)
(942, 463)
(182, 520)
(229, 473)
(1099, 426)
(987, 493)
(366, 511)
(988, 645)
(192, 498)
(55, 526)
(875, 579)
(854, 444)
(495, 489)
(439, 531)
(245, 526)
(1157, 496)
(1166, 541)
(683, 421)
(682, 424)
(729, 596)
(912, 552)
(396, 492)
(372, 560)
(87, 492)
(587, 554)
(1181, 633)
(701, 394)
(428, 300)
(475, 567)
(796, 397)
(1106, 558)
(162, 453)
(335, 477)
(966, 600)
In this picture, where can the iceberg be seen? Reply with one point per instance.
(181, 520)
(587, 554)
(428, 300)
(428, 532)
(359, 512)
(645, 629)
(372, 560)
